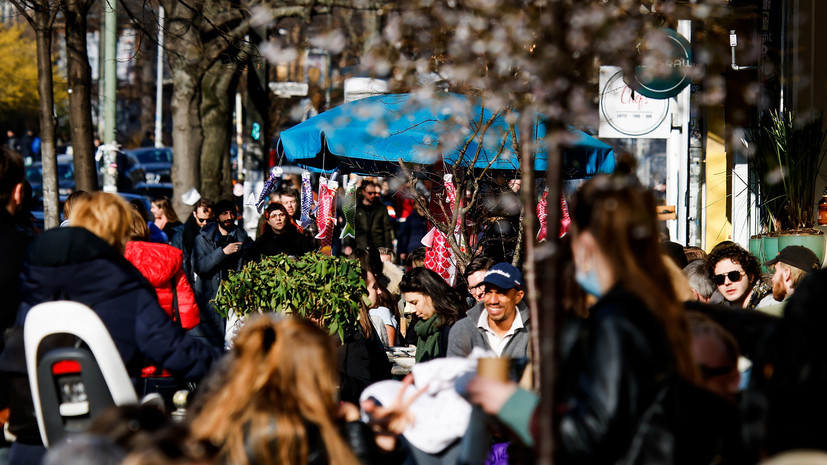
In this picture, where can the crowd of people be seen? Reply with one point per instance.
(666, 354)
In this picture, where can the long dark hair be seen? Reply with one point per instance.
(447, 303)
(620, 213)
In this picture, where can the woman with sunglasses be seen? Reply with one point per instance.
(737, 275)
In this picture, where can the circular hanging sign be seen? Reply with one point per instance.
(624, 113)
(669, 73)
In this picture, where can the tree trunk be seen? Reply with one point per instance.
(185, 58)
(43, 35)
(41, 17)
(147, 65)
(187, 137)
(80, 102)
(217, 90)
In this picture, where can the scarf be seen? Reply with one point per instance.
(427, 339)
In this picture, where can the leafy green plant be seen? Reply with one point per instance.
(326, 289)
(787, 160)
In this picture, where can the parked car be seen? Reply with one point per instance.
(156, 163)
(65, 178)
(38, 216)
(129, 196)
(154, 191)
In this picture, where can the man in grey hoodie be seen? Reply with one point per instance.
(500, 322)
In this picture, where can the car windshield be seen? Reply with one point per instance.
(65, 171)
(153, 156)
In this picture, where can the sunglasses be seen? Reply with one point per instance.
(203, 220)
(734, 276)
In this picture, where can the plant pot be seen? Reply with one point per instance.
(763, 247)
(814, 242)
(756, 247)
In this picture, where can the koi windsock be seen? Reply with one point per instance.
(307, 200)
(438, 257)
(349, 208)
(565, 219)
(325, 214)
(451, 198)
(269, 185)
(541, 217)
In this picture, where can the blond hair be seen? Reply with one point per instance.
(105, 215)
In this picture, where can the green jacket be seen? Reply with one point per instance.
(373, 226)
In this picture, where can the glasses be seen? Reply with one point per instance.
(734, 276)
(371, 193)
(203, 220)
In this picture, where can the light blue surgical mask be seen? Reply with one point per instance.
(589, 282)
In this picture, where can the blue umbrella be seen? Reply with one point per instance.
(374, 134)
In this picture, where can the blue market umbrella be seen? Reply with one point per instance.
(374, 134)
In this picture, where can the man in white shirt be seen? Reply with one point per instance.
(500, 322)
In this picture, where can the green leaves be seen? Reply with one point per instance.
(326, 289)
(787, 159)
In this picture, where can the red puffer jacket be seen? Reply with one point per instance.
(161, 266)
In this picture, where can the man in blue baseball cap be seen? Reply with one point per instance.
(500, 322)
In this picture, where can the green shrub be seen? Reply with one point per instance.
(326, 289)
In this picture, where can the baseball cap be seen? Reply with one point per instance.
(798, 256)
(504, 275)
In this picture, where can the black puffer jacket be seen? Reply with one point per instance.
(74, 264)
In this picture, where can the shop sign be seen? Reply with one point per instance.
(625, 113)
(670, 73)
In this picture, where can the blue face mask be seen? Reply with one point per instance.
(589, 282)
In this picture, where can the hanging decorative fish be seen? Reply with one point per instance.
(269, 185)
(307, 200)
(439, 257)
(349, 208)
(325, 213)
(565, 219)
(451, 198)
(541, 217)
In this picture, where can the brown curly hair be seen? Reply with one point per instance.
(738, 255)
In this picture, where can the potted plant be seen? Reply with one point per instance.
(789, 151)
(326, 289)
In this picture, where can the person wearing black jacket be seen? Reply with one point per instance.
(625, 387)
(374, 228)
(201, 216)
(218, 249)
(86, 265)
(14, 241)
(280, 236)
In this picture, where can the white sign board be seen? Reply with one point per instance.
(627, 115)
(289, 89)
(361, 87)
